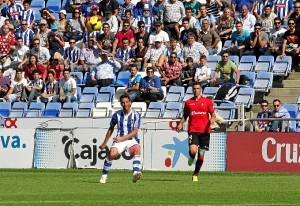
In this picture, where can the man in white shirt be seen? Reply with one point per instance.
(16, 87)
(112, 21)
(276, 38)
(159, 32)
(19, 54)
(247, 19)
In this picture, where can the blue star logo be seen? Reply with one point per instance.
(179, 147)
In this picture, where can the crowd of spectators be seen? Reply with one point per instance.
(171, 37)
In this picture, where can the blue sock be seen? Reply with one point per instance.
(106, 167)
(136, 163)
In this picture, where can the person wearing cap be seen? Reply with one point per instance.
(62, 22)
(112, 21)
(86, 8)
(55, 42)
(104, 72)
(95, 10)
(13, 12)
(138, 10)
(109, 5)
(172, 13)
(27, 14)
(128, 5)
(147, 18)
(154, 52)
(48, 16)
(159, 32)
(42, 32)
(75, 26)
(26, 33)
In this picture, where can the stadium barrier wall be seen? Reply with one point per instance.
(263, 152)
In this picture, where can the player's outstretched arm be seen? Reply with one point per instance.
(108, 135)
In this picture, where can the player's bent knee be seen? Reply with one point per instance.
(135, 150)
(113, 153)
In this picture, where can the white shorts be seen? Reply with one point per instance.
(121, 146)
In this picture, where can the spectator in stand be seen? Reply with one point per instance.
(172, 13)
(188, 72)
(150, 90)
(122, 8)
(50, 89)
(174, 47)
(209, 38)
(71, 56)
(2, 18)
(42, 32)
(90, 56)
(138, 9)
(33, 89)
(296, 15)
(214, 7)
(193, 49)
(3, 6)
(19, 54)
(13, 12)
(133, 87)
(186, 30)
(62, 22)
(237, 5)
(16, 87)
(75, 4)
(154, 52)
(157, 8)
(226, 68)
(148, 20)
(109, 5)
(267, 20)
(130, 19)
(112, 21)
(159, 32)
(211, 19)
(25, 33)
(106, 38)
(263, 125)
(86, 8)
(67, 89)
(226, 25)
(104, 72)
(55, 42)
(202, 74)
(95, 9)
(27, 14)
(195, 7)
(258, 41)
(88, 35)
(4, 84)
(126, 32)
(125, 55)
(46, 15)
(140, 53)
(142, 33)
(280, 112)
(42, 53)
(171, 71)
(55, 66)
(261, 6)
(240, 37)
(7, 41)
(284, 9)
(247, 18)
(193, 22)
(75, 27)
(33, 65)
(276, 38)
(291, 44)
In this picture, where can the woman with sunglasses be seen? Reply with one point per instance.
(75, 26)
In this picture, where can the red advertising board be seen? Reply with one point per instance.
(263, 152)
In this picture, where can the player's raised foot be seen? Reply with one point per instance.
(190, 161)
(136, 176)
(195, 178)
(103, 179)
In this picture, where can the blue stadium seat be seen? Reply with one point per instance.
(106, 94)
(140, 107)
(18, 109)
(210, 91)
(36, 109)
(175, 94)
(264, 63)
(122, 79)
(173, 110)
(102, 109)
(247, 63)
(37, 3)
(293, 111)
(155, 109)
(87, 77)
(298, 100)
(214, 58)
(68, 109)
(212, 65)
(287, 60)
(85, 110)
(188, 94)
(64, 4)
(54, 6)
(78, 76)
(227, 44)
(245, 96)
(227, 112)
(79, 93)
(250, 75)
(56, 15)
(235, 59)
(52, 109)
(280, 69)
(5, 108)
(263, 82)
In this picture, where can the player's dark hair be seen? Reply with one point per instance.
(124, 96)
(277, 19)
(36, 71)
(66, 70)
(19, 70)
(197, 83)
(276, 100)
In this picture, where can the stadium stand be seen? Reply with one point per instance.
(52, 109)
(247, 63)
(85, 110)
(175, 94)
(106, 94)
(102, 109)
(18, 109)
(5, 108)
(155, 110)
(173, 110)
(188, 94)
(210, 91)
(53, 5)
(263, 82)
(36, 109)
(245, 96)
(69, 109)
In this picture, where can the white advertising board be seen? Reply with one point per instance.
(16, 148)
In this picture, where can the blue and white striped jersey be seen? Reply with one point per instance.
(27, 35)
(13, 12)
(72, 55)
(87, 35)
(283, 7)
(125, 54)
(27, 16)
(126, 123)
(149, 22)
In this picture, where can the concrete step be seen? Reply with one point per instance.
(284, 92)
(291, 83)
(283, 99)
(294, 76)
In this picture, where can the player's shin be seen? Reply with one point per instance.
(136, 163)
(106, 167)
(199, 162)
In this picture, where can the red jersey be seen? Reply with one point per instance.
(198, 112)
(120, 35)
(5, 43)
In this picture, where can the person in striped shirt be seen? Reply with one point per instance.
(125, 54)
(149, 20)
(283, 9)
(71, 56)
(13, 12)
(27, 14)
(26, 33)
(128, 122)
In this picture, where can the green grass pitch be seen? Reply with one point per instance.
(82, 187)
